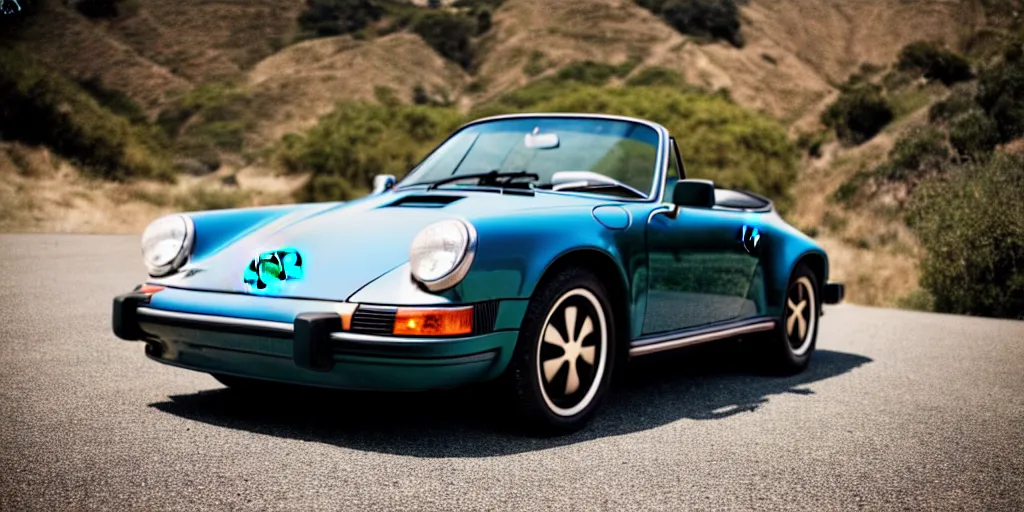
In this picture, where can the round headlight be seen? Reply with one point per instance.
(441, 253)
(166, 243)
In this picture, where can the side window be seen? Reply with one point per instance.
(675, 170)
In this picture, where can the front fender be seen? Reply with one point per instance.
(511, 257)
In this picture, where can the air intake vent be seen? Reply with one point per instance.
(426, 201)
(484, 316)
(373, 320)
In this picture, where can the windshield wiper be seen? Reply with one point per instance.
(488, 178)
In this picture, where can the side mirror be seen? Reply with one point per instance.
(383, 182)
(695, 193)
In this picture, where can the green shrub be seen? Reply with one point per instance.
(208, 117)
(1001, 96)
(656, 75)
(41, 107)
(359, 140)
(715, 19)
(114, 100)
(334, 17)
(973, 134)
(449, 34)
(858, 114)
(916, 154)
(97, 8)
(535, 64)
(588, 72)
(972, 228)
(934, 62)
(959, 101)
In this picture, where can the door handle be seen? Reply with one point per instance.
(750, 238)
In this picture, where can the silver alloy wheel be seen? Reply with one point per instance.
(801, 315)
(572, 351)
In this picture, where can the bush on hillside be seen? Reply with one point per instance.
(449, 34)
(972, 228)
(114, 100)
(591, 73)
(959, 101)
(715, 19)
(334, 17)
(1001, 96)
(656, 75)
(858, 114)
(97, 8)
(359, 140)
(916, 154)
(973, 134)
(40, 107)
(934, 62)
(212, 116)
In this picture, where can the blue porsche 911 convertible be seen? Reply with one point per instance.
(540, 251)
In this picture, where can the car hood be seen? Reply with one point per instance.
(346, 246)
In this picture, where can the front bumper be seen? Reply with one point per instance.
(311, 350)
(833, 293)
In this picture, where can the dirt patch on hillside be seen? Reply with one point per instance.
(65, 40)
(294, 87)
(203, 40)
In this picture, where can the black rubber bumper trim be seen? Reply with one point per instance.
(833, 293)
(312, 346)
(125, 317)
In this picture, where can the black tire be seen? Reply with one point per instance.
(789, 347)
(540, 374)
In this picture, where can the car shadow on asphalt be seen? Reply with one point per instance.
(702, 383)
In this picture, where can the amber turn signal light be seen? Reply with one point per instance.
(149, 289)
(434, 321)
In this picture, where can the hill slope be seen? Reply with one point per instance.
(796, 53)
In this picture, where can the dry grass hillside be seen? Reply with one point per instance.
(294, 87)
(796, 50)
(795, 55)
(84, 49)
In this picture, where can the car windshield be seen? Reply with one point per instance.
(601, 156)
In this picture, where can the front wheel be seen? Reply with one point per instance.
(562, 365)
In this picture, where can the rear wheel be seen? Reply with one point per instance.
(791, 344)
(562, 365)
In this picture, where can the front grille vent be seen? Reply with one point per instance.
(484, 316)
(373, 320)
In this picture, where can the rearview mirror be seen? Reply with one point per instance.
(383, 182)
(541, 140)
(695, 193)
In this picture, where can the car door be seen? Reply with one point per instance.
(702, 263)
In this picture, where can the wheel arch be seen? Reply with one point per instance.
(817, 262)
(601, 264)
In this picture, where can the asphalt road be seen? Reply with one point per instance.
(897, 410)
